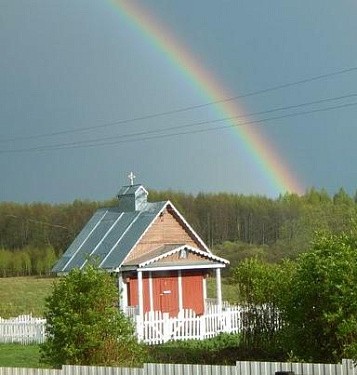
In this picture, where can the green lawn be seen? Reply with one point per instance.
(26, 295)
(23, 295)
(15, 355)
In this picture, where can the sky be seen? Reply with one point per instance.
(91, 90)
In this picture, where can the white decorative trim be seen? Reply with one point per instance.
(198, 238)
(140, 294)
(180, 291)
(204, 287)
(181, 267)
(182, 247)
(123, 292)
(219, 289)
(151, 292)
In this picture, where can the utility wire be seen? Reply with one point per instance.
(185, 109)
(96, 144)
(38, 221)
(194, 124)
(147, 132)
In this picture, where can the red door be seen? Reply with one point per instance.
(165, 291)
(169, 295)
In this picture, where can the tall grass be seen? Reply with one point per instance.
(23, 295)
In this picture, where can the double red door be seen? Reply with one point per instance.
(165, 294)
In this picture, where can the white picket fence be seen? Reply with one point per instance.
(154, 328)
(157, 327)
(23, 329)
(347, 367)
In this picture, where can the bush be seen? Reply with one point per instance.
(84, 324)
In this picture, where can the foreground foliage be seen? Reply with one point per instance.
(224, 349)
(220, 350)
(321, 306)
(315, 296)
(84, 324)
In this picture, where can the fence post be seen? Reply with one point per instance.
(202, 323)
(227, 320)
(167, 329)
(139, 325)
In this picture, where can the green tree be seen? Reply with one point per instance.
(320, 310)
(85, 326)
(261, 287)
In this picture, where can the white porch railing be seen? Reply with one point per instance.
(131, 311)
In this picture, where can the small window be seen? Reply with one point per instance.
(183, 254)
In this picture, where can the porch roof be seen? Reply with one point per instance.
(162, 258)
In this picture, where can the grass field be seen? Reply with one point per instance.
(14, 355)
(23, 295)
(26, 295)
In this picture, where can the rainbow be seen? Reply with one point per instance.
(271, 165)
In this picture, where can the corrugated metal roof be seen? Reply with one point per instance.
(131, 190)
(112, 233)
(108, 237)
(132, 198)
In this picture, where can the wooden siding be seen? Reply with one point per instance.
(192, 292)
(166, 229)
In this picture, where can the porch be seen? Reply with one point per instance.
(156, 327)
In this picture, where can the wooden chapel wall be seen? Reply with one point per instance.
(192, 291)
(166, 229)
(166, 294)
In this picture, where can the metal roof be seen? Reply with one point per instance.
(112, 233)
(108, 237)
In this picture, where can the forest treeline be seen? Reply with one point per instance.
(33, 236)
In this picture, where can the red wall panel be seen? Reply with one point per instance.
(192, 292)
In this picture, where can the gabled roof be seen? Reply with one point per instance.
(111, 234)
(157, 257)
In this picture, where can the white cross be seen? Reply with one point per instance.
(131, 177)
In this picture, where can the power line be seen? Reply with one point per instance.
(157, 136)
(147, 132)
(38, 221)
(185, 109)
(194, 124)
